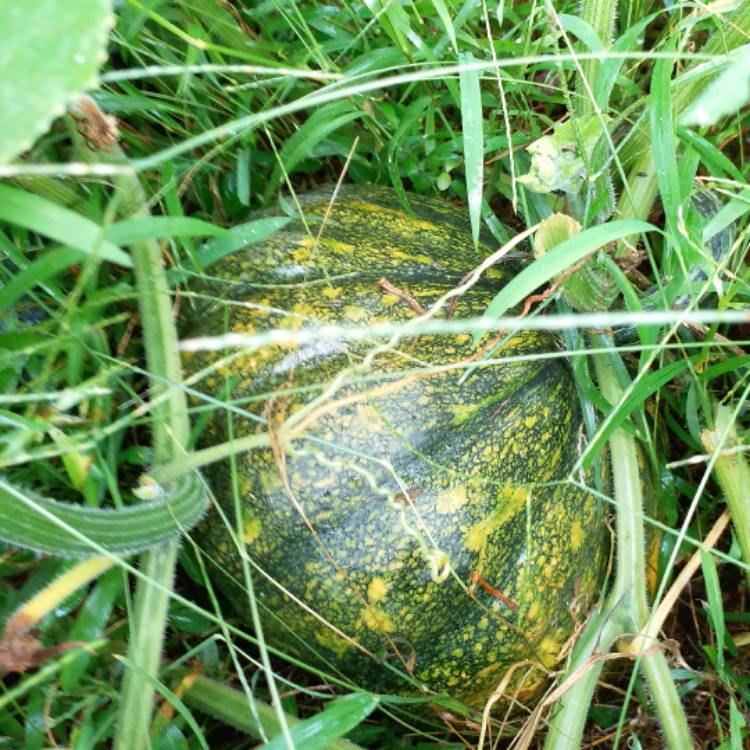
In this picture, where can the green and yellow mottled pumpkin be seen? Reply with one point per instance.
(421, 530)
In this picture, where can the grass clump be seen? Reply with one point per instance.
(517, 111)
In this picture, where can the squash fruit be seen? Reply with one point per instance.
(421, 530)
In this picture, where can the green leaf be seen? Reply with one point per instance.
(736, 723)
(42, 269)
(395, 22)
(715, 606)
(243, 176)
(665, 145)
(471, 120)
(583, 30)
(90, 622)
(51, 50)
(445, 17)
(60, 224)
(558, 259)
(131, 231)
(236, 239)
(339, 717)
(727, 215)
(324, 121)
(724, 95)
(645, 387)
(718, 164)
(647, 334)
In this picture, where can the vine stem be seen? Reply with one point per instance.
(733, 474)
(170, 432)
(600, 14)
(625, 612)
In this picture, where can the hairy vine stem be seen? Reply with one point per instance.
(170, 432)
(625, 612)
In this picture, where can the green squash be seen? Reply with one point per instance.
(420, 530)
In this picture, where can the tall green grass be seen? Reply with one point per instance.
(223, 107)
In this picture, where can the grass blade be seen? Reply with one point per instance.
(169, 696)
(130, 231)
(90, 623)
(231, 706)
(723, 96)
(339, 717)
(60, 224)
(445, 17)
(471, 120)
(665, 144)
(647, 386)
(727, 215)
(236, 239)
(560, 258)
(715, 607)
(42, 269)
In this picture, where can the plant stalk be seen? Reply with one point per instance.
(625, 612)
(669, 709)
(733, 474)
(569, 716)
(600, 14)
(170, 432)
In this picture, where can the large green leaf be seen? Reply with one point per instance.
(50, 51)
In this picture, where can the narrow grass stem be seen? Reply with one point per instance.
(733, 474)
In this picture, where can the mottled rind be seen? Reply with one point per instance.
(401, 487)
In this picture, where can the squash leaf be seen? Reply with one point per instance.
(51, 51)
(556, 160)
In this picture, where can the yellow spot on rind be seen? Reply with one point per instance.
(449, 501)
(377, 589)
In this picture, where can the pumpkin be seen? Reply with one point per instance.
(419, 528)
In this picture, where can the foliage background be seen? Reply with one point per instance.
(221, 106)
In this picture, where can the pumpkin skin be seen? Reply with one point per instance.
(365, 531)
